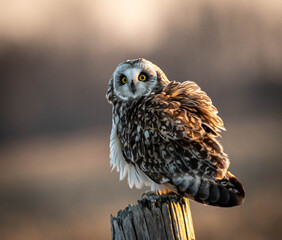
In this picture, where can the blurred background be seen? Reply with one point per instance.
(56, 58)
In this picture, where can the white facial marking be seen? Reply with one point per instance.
(142, 88)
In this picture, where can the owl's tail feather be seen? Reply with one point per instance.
(226, 192)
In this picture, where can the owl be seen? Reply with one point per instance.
(164, 136)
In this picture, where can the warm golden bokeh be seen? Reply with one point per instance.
(56, 58)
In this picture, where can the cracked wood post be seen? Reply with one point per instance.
(154, 217)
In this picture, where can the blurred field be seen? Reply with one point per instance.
(56, 58)
(62, 188)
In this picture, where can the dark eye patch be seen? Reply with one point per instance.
(146, 75)
(120, 79)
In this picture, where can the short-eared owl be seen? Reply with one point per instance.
(164, 135)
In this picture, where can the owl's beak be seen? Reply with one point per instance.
(133, 87)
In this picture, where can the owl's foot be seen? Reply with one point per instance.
(149, 193)
(152, 196)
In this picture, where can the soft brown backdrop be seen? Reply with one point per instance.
(55, 61)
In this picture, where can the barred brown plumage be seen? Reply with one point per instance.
(164, 135)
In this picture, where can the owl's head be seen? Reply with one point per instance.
(135, 78)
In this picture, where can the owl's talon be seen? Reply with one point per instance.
(149, 193)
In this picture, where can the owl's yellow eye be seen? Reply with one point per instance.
(142, 77)
(124, 80)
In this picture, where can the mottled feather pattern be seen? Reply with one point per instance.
(170, 136)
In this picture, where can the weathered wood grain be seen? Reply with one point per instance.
(128, 228)
(156, 217)
(168, 221)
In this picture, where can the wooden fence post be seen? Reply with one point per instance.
(155, 217)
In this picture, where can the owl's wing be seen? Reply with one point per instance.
(174, 143)
(178, 126)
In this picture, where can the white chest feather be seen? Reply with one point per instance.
(135, 176)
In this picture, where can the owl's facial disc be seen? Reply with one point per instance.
(134, 81)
